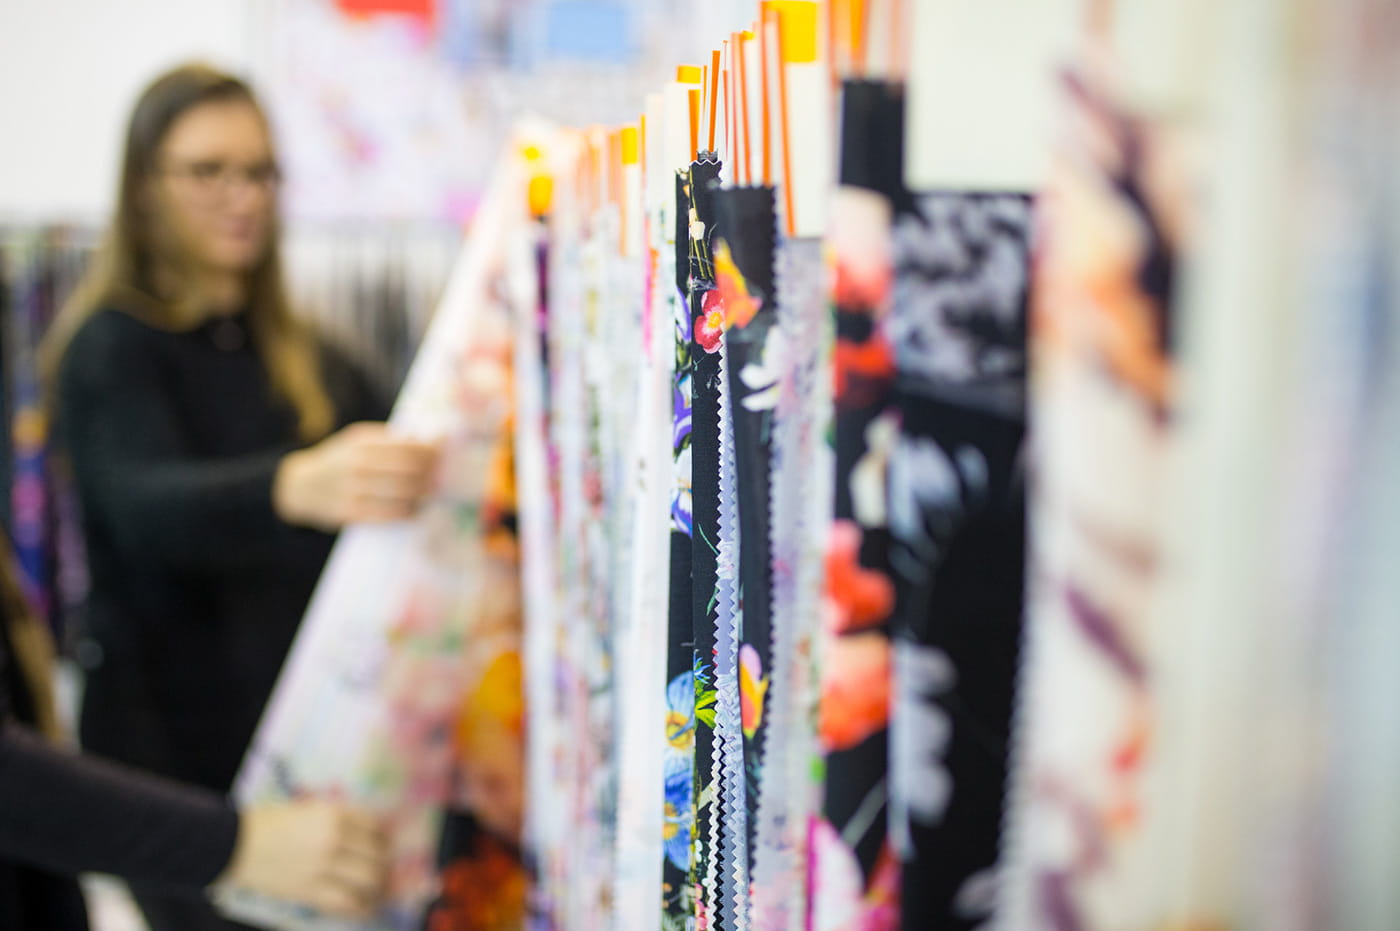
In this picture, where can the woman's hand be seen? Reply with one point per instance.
(316, 853)
(362, 474)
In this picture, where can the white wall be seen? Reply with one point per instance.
(982, 91)
(70, 71)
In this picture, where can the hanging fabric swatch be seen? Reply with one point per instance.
(853, 873)
(1102, 428)
(640, 644)
(745, 263)
(706, 350)
(744, 273)
(679, 829)
(537, 492)
(717, 897)
(1354, 632)
(576, 760)
(589, 531)
(957, 523)
(795, 375)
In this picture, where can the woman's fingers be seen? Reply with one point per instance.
(377, 508)
(389, 486)
(395, 471)
(361, 474)
(362, 836)
(404, 457)
(317, 852)
(357, 870)
(390, 479)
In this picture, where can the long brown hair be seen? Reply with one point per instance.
(122, 275)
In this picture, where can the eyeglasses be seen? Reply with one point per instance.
(216, 178)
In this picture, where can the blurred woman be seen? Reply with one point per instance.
(214, 443)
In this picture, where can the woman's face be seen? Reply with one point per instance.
(215, 186)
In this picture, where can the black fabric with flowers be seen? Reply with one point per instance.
(705, 452)
(957, 521)
(855, 734)
(747, 219)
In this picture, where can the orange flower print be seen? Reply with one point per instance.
(862, 369)
(753, 688)
(863, 285)
(860, 237)
(862, 597)
(740, 306)
(489, 740)
(484, 890)
(855, 699)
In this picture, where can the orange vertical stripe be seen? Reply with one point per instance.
(714, 96)
(736, 53)
(728, 120)
(777, 22)
(767, 128)
(694, 95)
(615, 166)
(859, 14)
(744, 113)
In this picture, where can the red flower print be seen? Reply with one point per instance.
(709, 326)
(862, 370)
(862, 597)
(484, 889)
(862, 287)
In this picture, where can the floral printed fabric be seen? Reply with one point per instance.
(853, 876)
(480, 872)
(1102, 379)
(482, 878)
(748, 221)
(695, 533)
(726, 840)
(797, 353)
(484, 886)
(678, 832)
(707, 352)
(956, 500)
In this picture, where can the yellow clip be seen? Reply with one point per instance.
(689, 74)
(799, 29)
(629, 145)
(540, 194)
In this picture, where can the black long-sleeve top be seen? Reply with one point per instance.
(197, 587)
(61, 813)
